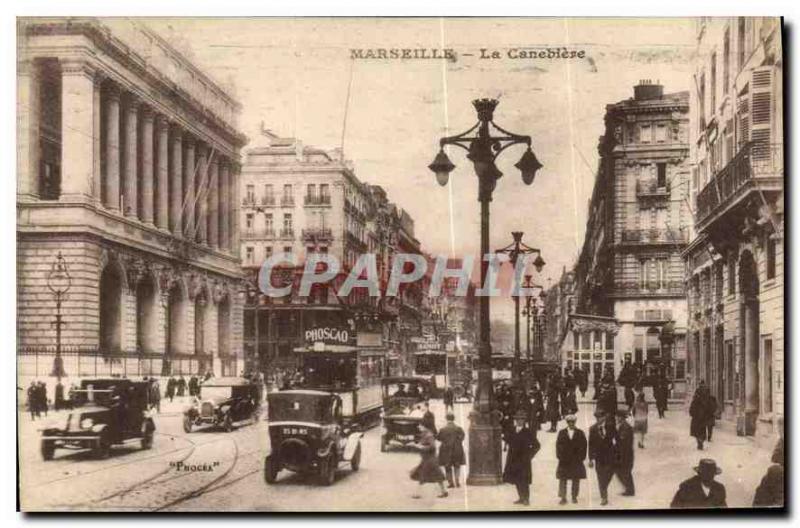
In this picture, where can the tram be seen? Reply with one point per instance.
(353, 373)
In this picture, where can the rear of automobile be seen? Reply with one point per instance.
(296, 444)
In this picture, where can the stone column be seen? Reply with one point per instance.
(175, 181)
(111, 198)
(224, 206)
(213, 203)
(131, 171)
(162, 174)
(77, 129)
(147, 165)
(189, 186)
(751, 357)
(97, 177)
(235, 205)
(202, 186)
(28, 117)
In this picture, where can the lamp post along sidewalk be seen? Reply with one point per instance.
(482, 150)
(59, 282)
(514, 251)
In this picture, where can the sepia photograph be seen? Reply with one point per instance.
(431, 264)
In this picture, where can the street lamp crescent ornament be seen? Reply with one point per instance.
(529, 166)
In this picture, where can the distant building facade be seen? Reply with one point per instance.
(128, 160)
(630, 266)
(734, 263)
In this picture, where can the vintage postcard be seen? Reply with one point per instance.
(400, 264)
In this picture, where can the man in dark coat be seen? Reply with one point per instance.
(171, 385)
(522, 447)
(698, 410)
(770, 491)
(428, 419)
(661, 394)
(582, 380)
(451, 450)
(701, 491)
(448, 397)
(193, 386)
(601, 452)
(624, 452)
(537, 408)
(181, 385)
(571, 451)
(552, 414)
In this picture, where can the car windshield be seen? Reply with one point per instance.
(215, 393)
(406, 389)
(299, 408)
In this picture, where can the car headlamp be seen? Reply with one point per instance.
(87, 423)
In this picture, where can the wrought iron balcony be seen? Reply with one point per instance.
(287, 233)
(651, 289)
(287, 201)
(654, 236)
(257, 234)
(317, 233)
(757, 167)
(650, 188)
(313, 199)
(249, 201)
(267, 200)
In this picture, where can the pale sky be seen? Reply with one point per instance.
(293, 74)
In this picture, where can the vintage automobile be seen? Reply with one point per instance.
(401, 417)
(307, 435)
(105, 412)
(223, 402)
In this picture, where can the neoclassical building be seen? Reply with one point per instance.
(127, 167)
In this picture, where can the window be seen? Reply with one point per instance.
(287, 222)
(726, 60)
(250, 194)
(653, 344)
(701, 97)
(609, 341)
(311, 191)
(661, 133)
(638, 346)
(732, 274)
(576, 338)
(248, 252)
(713, 88)
(718, 281)
(268, 222)
(766, 373)
(585, 341)
(645, 133)
(269, 196)
(324, 191)
(653, 273)
(248, 221)
(267, 251)
(771, 252)
(661, 170)
(680, 369)
(287, 249)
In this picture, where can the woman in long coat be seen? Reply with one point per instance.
(428, 468)
(640, 412)
(698, 410)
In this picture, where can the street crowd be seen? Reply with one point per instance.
(608, 448)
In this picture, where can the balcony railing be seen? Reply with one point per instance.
(249, 201)
(287, 201)
(267, 200)
(257, 234)
(655, 288)
(654, 236)
(287, 233)
(317, 233)
(755, 165)
(312, 199)
(650, 187)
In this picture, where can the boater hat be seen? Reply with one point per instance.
(707, 464)
(571, 418)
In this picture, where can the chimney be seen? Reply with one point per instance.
(646, 89)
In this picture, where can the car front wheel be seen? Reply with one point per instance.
(327, 471)
(147, 440)
(48, 449)
(270, 470)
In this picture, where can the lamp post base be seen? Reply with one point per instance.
(485, 456)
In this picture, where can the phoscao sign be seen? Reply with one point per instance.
(327, 334)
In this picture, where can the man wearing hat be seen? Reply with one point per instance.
(522, 446)
(570, 451)
(451, 450)
(624, 452)
(701, 491)
(601, 452)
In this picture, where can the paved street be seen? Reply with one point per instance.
(145, 480)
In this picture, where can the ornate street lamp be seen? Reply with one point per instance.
(515, 250)
(482, 150)
(59, 282)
